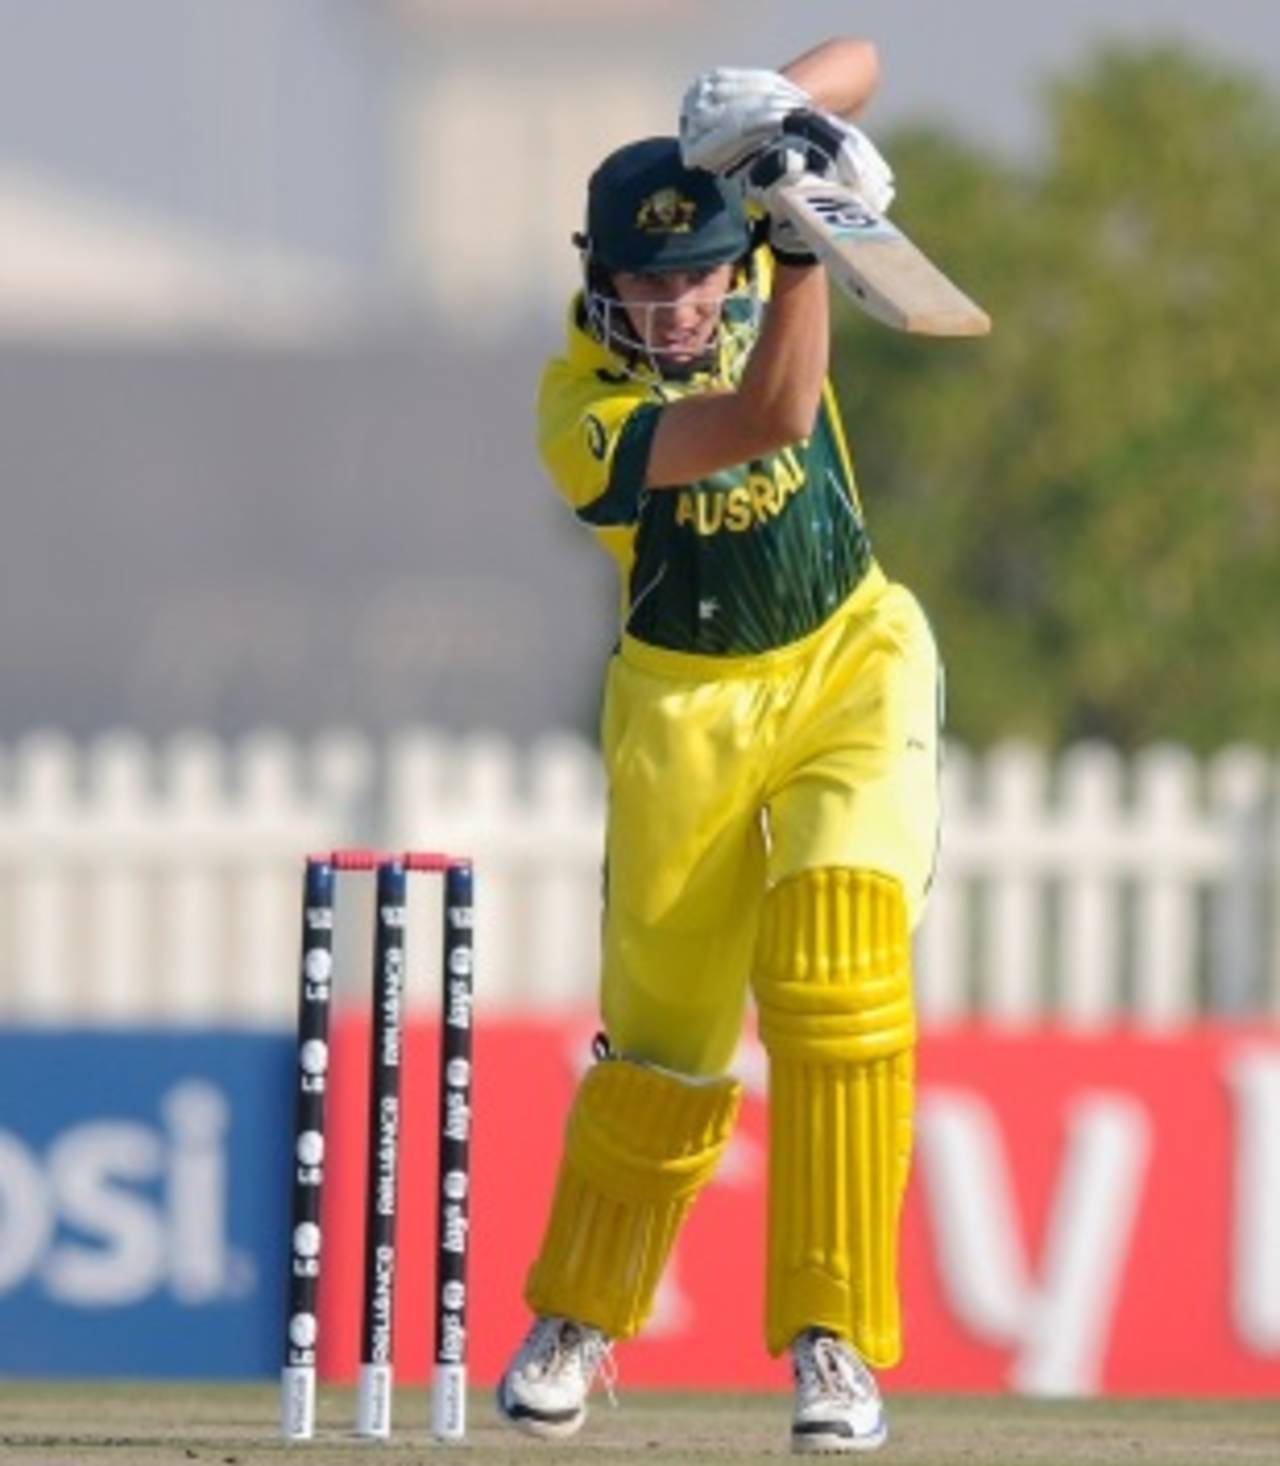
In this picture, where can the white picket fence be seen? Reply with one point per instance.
(162, 884)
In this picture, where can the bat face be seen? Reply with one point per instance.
(875, 263)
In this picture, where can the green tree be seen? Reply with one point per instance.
(1089, 501)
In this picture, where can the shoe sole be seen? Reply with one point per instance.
(543, 1427)
(823, 1444)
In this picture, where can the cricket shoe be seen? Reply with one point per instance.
(837, 1403)
(544, 1391)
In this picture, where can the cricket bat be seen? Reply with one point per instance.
(873, 261)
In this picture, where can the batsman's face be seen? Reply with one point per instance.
(675, 313)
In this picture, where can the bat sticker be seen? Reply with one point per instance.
(845, 215)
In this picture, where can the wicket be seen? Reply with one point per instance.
(374, 1390)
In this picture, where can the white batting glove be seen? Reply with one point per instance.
(815, 145)
(729, 113)
(861, 167)
(839, 152)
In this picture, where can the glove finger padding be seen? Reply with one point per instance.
(848, 156)
(811, 143)
(728, 113)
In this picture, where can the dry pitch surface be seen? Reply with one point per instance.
(177, 1425)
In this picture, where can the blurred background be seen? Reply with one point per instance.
(279, 570)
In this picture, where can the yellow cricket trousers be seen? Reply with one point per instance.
(727, 775)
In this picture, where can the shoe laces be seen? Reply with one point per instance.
(559, 1344)
(827, 1364)
(606, 1370)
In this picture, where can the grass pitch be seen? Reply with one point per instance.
(72, 1424)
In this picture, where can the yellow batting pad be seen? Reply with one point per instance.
(641, 1144)
(833, 986)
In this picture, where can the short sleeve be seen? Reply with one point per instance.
(594, 437)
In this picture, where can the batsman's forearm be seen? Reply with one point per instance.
(840, 75)
(782, 384)
(776, 402)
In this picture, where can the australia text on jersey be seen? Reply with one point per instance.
(760, 497)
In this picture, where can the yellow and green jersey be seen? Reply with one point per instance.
(745, 560)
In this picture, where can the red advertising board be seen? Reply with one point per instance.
(1085, 1214)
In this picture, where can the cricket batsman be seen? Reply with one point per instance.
(770, 732)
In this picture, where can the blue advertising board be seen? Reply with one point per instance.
(143, 1193)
